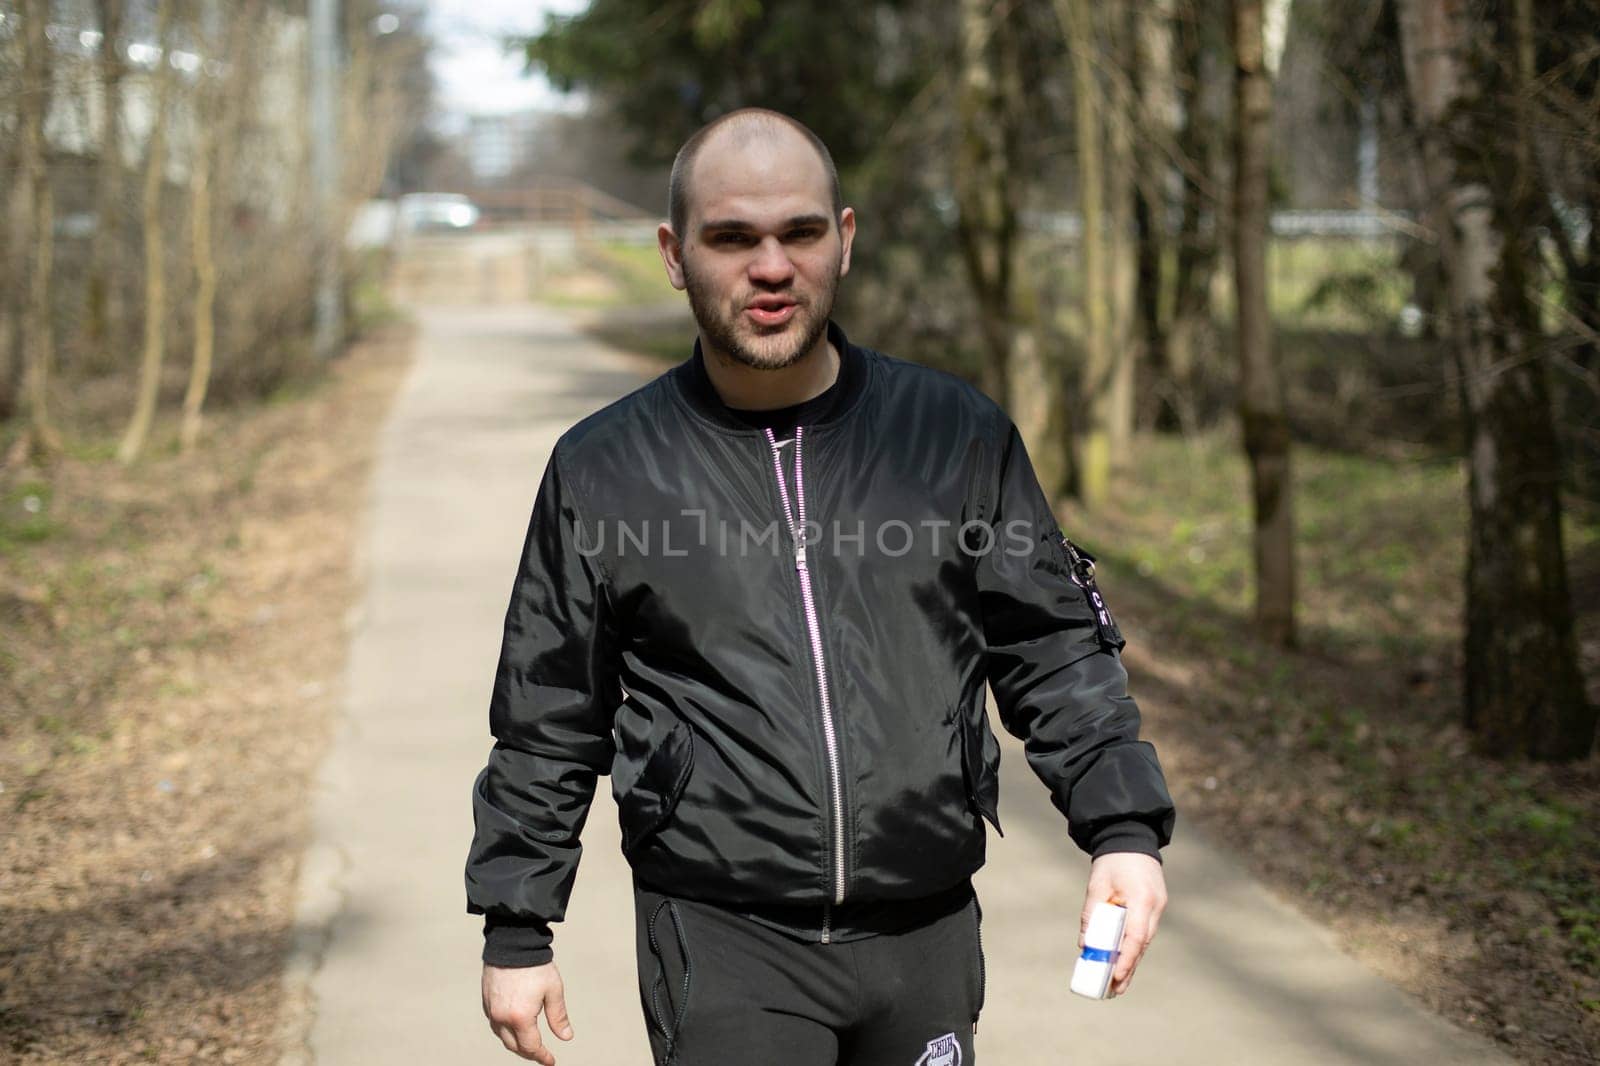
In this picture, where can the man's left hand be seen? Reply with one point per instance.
(1134, 881)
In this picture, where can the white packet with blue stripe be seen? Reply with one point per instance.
(1091, 977)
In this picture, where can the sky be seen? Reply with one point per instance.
(474, 73)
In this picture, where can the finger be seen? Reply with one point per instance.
(555, 1012)
(1135, 937)
(530, 1045)
(521, 1034)
(1158, 907)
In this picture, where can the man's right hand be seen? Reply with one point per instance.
(512, 1000)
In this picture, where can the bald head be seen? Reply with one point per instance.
(746, 128)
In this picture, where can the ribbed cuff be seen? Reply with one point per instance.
(516, 945)
(1127, 836)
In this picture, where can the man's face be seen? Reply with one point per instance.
(762, 257)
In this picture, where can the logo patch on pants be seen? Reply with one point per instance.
(945, 1051)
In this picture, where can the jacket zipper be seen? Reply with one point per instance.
(830, 733)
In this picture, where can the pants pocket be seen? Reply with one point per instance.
(667, 998)
(983, 975)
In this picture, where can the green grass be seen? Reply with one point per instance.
(25, 515)
(611, 274)
(1317, 284)
(637, 269)
(1337, 285)
(1186, 523)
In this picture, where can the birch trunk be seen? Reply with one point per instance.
(1523, 692)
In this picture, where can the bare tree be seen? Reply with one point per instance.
(1152, 26)
(1261, 392)
(33, 238)
(1120, 112)
(105, 313)
(1200, 199)
(1524, 693)
(206, 115)
(155, 290)
(1094, 467)
(986, 177)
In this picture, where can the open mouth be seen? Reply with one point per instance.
(771, 311)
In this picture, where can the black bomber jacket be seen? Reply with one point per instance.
(778, 652)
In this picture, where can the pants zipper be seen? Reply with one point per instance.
(830, 733)
(983, 977)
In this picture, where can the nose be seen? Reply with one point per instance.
(771, 265)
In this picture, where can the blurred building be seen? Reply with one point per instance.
(497, 145)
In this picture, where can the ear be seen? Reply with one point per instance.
(671, 250)
(847, 235)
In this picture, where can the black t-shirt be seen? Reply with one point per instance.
(782, 420)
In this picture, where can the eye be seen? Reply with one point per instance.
(730, 239)
(805, 233)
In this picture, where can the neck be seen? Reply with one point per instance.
(748, 389)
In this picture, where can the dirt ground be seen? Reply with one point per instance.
(173, 642)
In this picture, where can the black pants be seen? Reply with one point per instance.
(719, 989)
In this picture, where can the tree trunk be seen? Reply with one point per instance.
(1523, 691)
(203, 145)
(986, 179)
(1153, 29)
(1126, 349)
(105, 313)
(1197, 250)
(1036, 403)
(1261, 403)
(155, 298)
(1094, 464)
(239, 93)
(36, 233)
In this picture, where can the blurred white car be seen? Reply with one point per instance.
(434, 211)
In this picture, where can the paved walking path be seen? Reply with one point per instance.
(387, 969)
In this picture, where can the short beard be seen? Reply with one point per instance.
(721, 331)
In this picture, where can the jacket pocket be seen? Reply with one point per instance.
(647, 805)
(980, 764)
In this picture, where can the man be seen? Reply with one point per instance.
(765, 593)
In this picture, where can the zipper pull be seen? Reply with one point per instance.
(826, 931)
(799, 554)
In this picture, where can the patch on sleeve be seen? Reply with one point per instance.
(1080, 568)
